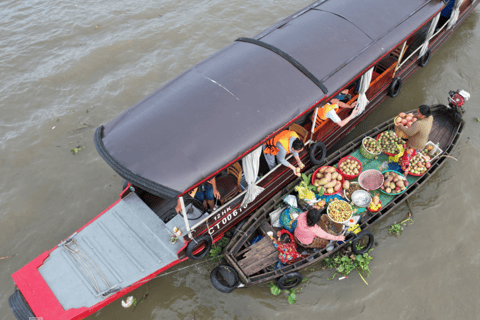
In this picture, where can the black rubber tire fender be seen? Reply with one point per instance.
(422, 62)
(289, 280)
(195, 243)
(361, 234)
(233, 278)
(319, 145)
(394, 87)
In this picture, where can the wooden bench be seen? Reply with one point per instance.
(258, 256)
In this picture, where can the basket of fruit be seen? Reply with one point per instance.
(431, 151)
(395, 183)
(350, 167)
(339, 211)
(370, 148)
(371, 179)
(388, 141)
(406, 120)
(418, 165)
(375, 205)
(328, 178)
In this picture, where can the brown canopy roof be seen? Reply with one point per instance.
(222, 107)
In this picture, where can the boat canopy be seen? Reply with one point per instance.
(223, 107)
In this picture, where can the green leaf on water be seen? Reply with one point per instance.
(292, 298)
(274, 289)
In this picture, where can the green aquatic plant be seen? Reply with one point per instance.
(344, 264)
(397, 227)
(77, 149)
(217, 249)
(291, 293)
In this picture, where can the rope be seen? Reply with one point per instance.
(167, 273)
(77, 254)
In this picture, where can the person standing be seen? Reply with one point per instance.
(418, 134)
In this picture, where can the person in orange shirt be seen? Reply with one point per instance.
(328, 111)
(280, 146)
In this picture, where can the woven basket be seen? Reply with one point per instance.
(399, 132)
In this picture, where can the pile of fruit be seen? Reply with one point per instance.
(372, 145)
(388, 141)
(419, 165)
(375, 204)
(394, 182)
(350, 167)
(329, 179)
(405, 119)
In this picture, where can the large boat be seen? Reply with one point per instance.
(251, 261)
(214, 118)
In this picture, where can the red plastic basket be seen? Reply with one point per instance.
(374, 211)
(349, 176)
(387, 153)
(314, 175)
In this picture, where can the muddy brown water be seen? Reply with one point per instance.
(68, 67)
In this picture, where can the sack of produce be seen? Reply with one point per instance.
(288, 218)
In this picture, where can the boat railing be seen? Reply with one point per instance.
(241, 194)
(419, 48)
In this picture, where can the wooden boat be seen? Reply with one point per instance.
(229, 105)
(250, 264)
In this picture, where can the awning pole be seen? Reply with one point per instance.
(314, 122)
(185, 218)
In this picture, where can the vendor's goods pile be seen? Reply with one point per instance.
(375, 204)
(394, 182)
(339, 211)
(406, 119)
(350, 167)
(350, 188)
(370, 148)
(329, 179)
(419, 165)
(388, 142)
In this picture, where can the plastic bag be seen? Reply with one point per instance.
(275, 217)
(291, 200)
(288, 218)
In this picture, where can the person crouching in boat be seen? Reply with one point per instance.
(280, 146)
(206, 193)
(329, 110)
(308, 233)
(418, 134)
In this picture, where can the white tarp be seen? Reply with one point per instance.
(455, 13)
(251, 165)
(430, 33)
(363, 87)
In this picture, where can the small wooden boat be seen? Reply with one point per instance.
(250, 264)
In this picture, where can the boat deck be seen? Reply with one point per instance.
(124, 245)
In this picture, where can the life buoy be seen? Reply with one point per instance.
(318, 146)
(358, 237)
(197, 243)
(224, 278)
(289, 280)
(422, 62)
(394, 87)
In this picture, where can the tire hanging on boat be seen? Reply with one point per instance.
(424, 59)
(289, 280)
(224, 278)
(394, 87)
(359, 236)
(197, 243)
(317, 146)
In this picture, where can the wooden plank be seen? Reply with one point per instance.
(265, 227)
(261, 264)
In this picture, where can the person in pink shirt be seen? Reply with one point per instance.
(309, 235)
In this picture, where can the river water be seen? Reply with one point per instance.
(68, 67)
